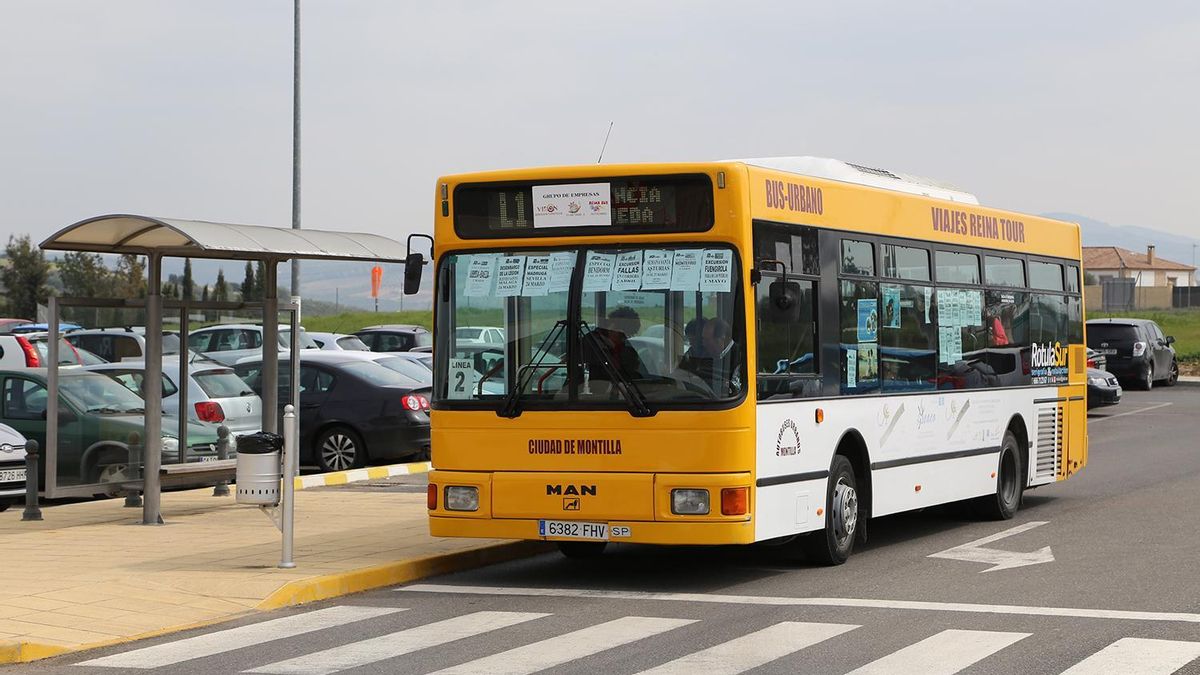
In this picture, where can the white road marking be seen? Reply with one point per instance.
(1138, 655)
(1127, 615)
(943, 654)
(1094, 420)
(230, 639)
(373, 650)
(974, 551)
(752, 650)
(558, 650)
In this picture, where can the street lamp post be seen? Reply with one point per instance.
(295, 140)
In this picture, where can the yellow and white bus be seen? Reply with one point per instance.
(743, 351)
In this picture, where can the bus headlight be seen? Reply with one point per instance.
(462, 498)
(689, 502)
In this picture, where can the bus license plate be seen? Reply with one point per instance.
(565, 529)
(12, 475)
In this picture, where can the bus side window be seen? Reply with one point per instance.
(908, 347)
(787, 364)
(859, 348)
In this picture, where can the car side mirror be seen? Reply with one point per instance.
(1170, 340)
(413, 266)
(783, 299)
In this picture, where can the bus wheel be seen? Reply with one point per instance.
(832, 545)
(1009, 483)
(581, 550)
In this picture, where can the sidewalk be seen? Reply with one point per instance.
(90, 575)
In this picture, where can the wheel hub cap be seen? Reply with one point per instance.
(845, 510)
(338, 451)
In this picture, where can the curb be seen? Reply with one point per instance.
(355, 475)
(310, 590)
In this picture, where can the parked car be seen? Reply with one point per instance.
(479, 335)
(1136, 350)
(98, 418)
(12, 467)
(216, 394)
(119, 344)
(395, 337)
(32, 351)
(1102, 388)
(21, 329)
(352, 410)
(338, 342)
(425, 359)
(229, 343)
(6, 325)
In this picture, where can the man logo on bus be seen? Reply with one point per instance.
(787, 443)
(570, 490)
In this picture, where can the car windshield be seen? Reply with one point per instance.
(98, 393)
(170, 343)
(409, 369)
(222, 383)
(686, 298)
(376, 374)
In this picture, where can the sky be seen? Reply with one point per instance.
(183, 108)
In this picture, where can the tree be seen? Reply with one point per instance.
(260, 282)
(188, 285)
(25, 277)
(204, 295)
(220, 292)
(248, 283)
(84, 275)
(130, 278)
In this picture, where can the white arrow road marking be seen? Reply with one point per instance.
(974, 551)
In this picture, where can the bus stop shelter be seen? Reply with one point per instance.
(158, 238)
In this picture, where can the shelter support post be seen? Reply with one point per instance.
(184, 381)
(270, 349)
(52, 418)
(152, 443)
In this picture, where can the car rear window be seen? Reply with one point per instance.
(170, 343)
(222, 383)
(424, 339)
(377, 374)
(352, 343)
(1115, 333)
(409, 369)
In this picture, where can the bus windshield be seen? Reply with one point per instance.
(591, 328)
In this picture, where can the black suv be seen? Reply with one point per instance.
(1136, 350)
(395, 338)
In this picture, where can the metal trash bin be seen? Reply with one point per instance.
(258, 468)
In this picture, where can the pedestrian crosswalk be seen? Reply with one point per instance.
(548, 647)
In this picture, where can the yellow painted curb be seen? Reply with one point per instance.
(355, 581)
(24, 652)
(355, 475)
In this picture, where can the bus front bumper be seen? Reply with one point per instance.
(639, 532)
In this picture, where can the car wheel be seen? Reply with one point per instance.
(582, 550)
(1173, 375)
(833, 544)
(1010, 484)
(1147, 382)
(339, 449)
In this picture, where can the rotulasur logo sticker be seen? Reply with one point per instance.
(1048, 363)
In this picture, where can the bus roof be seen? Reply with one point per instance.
(846, 172)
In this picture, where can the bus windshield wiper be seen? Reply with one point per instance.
(638, 405)
(512, 402)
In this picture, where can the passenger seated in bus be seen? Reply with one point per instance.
(720, 367)
(614, 333)
(693, 333)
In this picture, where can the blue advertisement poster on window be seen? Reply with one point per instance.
(868, 320)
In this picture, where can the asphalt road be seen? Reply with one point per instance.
(1120, 595)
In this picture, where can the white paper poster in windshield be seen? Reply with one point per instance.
(627, 276)
(580, 205)
(685, 270)
(1048, 363)
(462, 379)
(561, 266)
(537, 276)
(656, 270)
(480, 271)
(510, 275)
(597, 271)
(716, 271)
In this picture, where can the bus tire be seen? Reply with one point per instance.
(832, 545)
(1010, 483)
(582, 550)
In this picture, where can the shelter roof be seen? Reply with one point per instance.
(143, 235)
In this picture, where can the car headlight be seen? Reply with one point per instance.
(170, 444)
(1098, 381)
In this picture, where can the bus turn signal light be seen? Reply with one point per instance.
(735, 501)
(431, 497)
(820, 415)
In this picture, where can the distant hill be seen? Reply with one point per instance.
(1175, 247)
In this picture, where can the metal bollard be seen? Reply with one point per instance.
(288, 503)
(32, 510)
(221, 489)
(133, 498)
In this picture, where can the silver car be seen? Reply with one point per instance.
(338, 342)
(215, 394)
(12, 466)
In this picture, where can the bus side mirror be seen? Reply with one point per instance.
(413, 266)
(783, 299)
